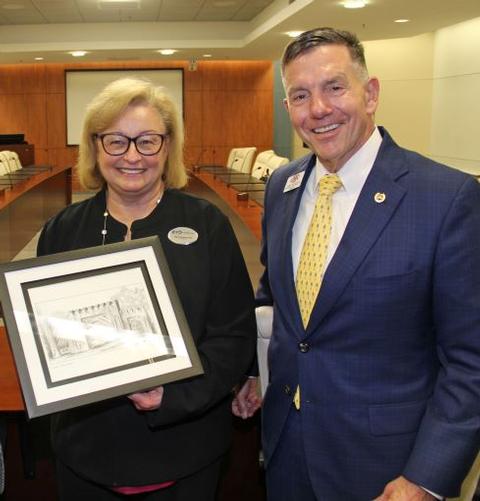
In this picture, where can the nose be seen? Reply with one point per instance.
(132, 155)
(320, 105)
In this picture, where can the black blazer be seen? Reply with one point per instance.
(112, 443)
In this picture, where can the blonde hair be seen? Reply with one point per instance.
(107, 106)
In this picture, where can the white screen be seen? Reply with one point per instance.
(82, 86)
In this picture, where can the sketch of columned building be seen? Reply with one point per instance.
(101, 323)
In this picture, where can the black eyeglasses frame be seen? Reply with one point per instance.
(130, 140)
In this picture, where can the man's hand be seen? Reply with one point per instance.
(402, 489)
(147, 400)
(246, 401)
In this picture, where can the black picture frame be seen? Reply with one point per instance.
(95, 323)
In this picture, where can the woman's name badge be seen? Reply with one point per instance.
(182, 235)
(294, 181)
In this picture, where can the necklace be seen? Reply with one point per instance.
(105, 217)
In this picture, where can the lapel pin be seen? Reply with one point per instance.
(380, 197)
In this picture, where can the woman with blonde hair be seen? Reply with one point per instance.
(166, 443)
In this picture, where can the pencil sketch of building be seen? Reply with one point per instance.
(97, 326)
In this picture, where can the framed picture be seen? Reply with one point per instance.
(93, 324)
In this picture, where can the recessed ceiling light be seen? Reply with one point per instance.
(207, 55)
(402, 20)
(39, 59)
(293, 34)
(118, 4)
(167, 52)
(224, 3)
(78, 53)
(13, 6)
(354, 4)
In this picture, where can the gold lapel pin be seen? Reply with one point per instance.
(380, 197)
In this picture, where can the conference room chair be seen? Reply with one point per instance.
(264, 316)
(17, 167)
(239, 163)
(11, 164)
(265, 163)
(7, 180)
(254, 188)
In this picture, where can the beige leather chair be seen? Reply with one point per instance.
(241, 159)
(264, 316)
(266, 162)
(14, 161)
(4, 159)
(3, 168)
(262, 164)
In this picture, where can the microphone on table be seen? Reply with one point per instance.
(196, 165)
(243, 195)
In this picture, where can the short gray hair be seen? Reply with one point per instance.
(311, 39)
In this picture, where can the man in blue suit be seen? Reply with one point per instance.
(386, 373)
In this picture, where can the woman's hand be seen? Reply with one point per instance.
(147, 400)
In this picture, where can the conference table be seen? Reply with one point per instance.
(26, 204)
(247, 204)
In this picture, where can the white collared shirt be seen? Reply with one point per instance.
(353, 176)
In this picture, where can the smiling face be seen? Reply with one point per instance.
(132, 175)
(330, 103)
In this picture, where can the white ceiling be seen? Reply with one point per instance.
(226, 29)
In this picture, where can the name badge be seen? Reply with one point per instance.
(293, 181)
(182, 235)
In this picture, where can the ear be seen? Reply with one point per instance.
(285, 103)
(166, 145)
(372, 91)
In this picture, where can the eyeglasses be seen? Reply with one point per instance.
(118, 144)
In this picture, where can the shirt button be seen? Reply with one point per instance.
(304, 347)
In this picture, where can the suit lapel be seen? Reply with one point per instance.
(368, 220)
(290, 208)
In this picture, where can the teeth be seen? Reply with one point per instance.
(327, 128)
(130, 171)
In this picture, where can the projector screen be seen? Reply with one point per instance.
(82, 85)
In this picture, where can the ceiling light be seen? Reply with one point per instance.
(13, 6)
(118, 4)
(402, 20)
(354, 4)
(39, 59)
(78, 53)
(167, 52)
(224, 3)
(293, 34)
(207, 55)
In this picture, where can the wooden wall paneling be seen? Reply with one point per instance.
(10, 82)
(193, 80)
(55, 78)
(13, 118)
(22, 79)
(63, 156)
(239, 118)
(33, 77)
(36, 121)
(41, 156)
(237, 75)
(193, 121)
(56, 127)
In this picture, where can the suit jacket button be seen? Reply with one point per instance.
(304, 347)
(287, 390)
